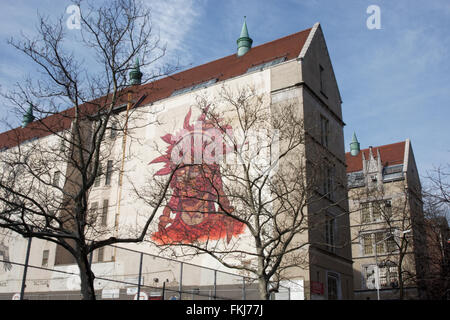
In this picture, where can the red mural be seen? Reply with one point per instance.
(195, 211)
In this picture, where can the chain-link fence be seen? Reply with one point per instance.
(129, 275)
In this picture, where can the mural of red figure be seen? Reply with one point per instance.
(193, 213)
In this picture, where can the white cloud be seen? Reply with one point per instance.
(174, 19)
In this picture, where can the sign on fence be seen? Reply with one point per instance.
(142, 296)
(110, 293)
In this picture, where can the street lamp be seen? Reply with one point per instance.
(400, 233)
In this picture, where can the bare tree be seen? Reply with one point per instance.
(438, 189)
(389, 227)
(244, 192)
(436, 200)
(49, 167)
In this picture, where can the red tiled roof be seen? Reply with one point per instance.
(221, 69)
(390, 154)
(227, 67)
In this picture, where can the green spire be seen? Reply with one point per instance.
(28, 117)
(135, 74)
(354, 146)
(244, 42)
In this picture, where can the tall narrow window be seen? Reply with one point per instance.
(62, 145)
(113, 132)
(93, 212)
(104, 217)
(393, 276)
(383, 277)
(330, 226)
(56, 178)
(391, 245)
(333, 287)
(376, 210)
(379, 236)
(101, 254)
(388, 209)
(331, 179)
(365, 212)
(328, 182)
(322, 79)
(326, 178)
(109, 168)
(45, 258)
(367, 244)
(97, 177)
(324, 123)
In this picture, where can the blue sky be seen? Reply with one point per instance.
(394, 81)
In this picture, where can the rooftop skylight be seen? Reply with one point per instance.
(266, 65)
(194, 87)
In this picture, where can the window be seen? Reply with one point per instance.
(383, 277)
(388, 276)
(99, 173)
(383, 242)
(113, 129)
(93, 211)
(330, 236)
(369, 277)
(104, 216)
(391, 245)
(392, 169)
(333, 286)
(101, 254)
(375, 211)
(194, 87)
(328, 187)
(324, 123)
(392, 279)
(387, 209)
(326, 181)
(355, 179)
(45, 258)
(322, 79)
(266, 65)
(367, 244)
(331, 182)
(109, 167)
(379, 236)
(56, 178)
(365, 213)
(62, 146)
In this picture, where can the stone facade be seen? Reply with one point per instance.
(386, 218)
(296, 70)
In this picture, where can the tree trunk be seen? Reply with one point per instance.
(400, 281)
(263, 288)
(86, 277)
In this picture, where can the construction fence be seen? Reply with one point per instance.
(140, 276)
